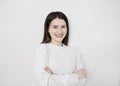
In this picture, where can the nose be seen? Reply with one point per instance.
(59, 30)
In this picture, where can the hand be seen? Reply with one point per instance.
(81, 73)
(47, 69)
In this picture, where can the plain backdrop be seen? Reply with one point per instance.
(94, 30)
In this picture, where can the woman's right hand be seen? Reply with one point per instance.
(47, 69)
(81, 73)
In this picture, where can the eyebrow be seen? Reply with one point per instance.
(57, 25)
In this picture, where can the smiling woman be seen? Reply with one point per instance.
(58, 64)
(57, 31)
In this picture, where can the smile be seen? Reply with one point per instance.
(59, 35)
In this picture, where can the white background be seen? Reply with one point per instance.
(94, 30)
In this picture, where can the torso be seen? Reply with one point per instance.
(61, 59)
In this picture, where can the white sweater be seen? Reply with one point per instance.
(62, 60)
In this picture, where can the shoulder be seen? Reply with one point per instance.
(41, 47)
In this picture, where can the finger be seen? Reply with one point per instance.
(82, 69)
(47, 69)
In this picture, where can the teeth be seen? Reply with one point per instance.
(59, 35)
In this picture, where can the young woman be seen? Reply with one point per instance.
(58, 64)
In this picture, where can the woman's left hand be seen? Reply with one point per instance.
(81, 73)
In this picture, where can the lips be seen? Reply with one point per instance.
(59, 35)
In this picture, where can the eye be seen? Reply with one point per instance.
(63, 26)
(55, 27)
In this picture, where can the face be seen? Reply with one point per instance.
(57, 30)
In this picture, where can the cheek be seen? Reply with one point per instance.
(65, 31)
(51, 31)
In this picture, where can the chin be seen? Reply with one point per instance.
(59, 39)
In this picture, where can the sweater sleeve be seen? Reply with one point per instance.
(64, 80)
(69, 79)
(40, 75)
(45, 79)
(79, 65)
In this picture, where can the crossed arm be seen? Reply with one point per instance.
(81, 72)
(44, 75)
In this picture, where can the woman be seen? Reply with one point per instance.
(58, 64)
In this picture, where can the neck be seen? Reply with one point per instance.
(57, 43)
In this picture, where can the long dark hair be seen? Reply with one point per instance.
(51, 16)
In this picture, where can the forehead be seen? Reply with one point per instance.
(58, 21)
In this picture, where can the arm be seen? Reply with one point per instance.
(40, 75)
(44, 75)
(62, 79)
(77, 78)
(80, 69)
